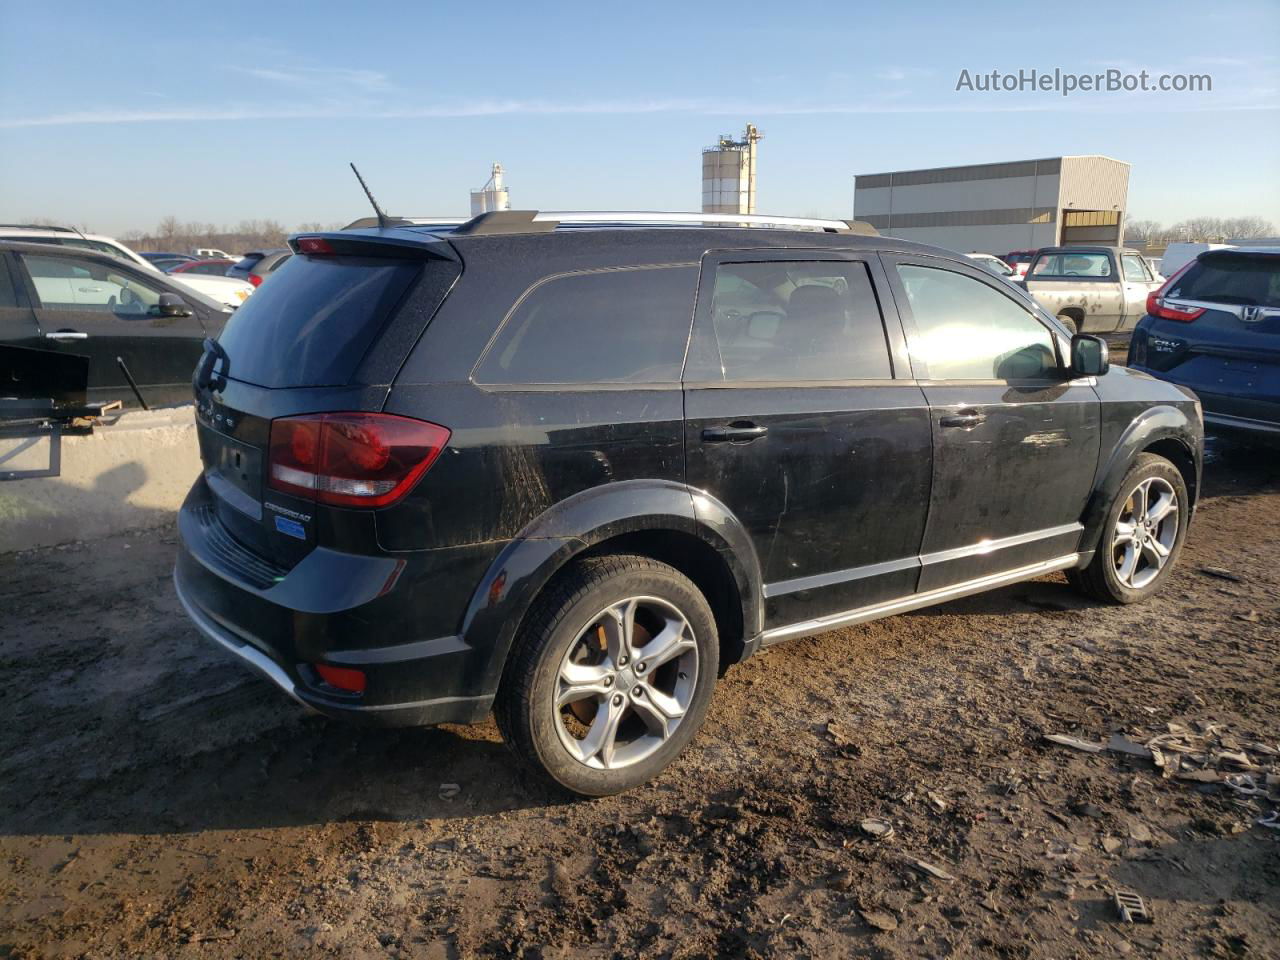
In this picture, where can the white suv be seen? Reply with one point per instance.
(225, 290)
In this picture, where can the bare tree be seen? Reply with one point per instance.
(1142, 231)
(1247, 228)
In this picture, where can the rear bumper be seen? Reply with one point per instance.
(339, 609)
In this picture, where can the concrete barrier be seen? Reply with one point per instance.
(129, 475)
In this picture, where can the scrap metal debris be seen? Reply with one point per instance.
(1131, 907)
(1204, 752)
(929, 869)
(875, 827)
(1075, 743)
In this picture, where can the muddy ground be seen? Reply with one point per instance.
(158, 800)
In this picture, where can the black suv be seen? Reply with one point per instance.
(570, 472)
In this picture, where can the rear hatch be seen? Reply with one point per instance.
(328, 334)
(1224, 340)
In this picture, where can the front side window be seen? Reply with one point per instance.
(612, 326)
(68, 283)
(1069, 264)
(811, 320)
(1135, 271)
(965, 330)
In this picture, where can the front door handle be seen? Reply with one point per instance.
(964, 419)
(61, 335)
(740, 431)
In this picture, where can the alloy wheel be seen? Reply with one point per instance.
(626, 683)
(1145, 533)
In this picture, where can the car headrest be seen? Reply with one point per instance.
(814, 310)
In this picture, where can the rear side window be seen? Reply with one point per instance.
(1237, 278)
(313, 323)
(1069, 264)
(629, 325)
(965, 330)
(813, 320)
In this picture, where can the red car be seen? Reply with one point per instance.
(209, 268)
(1019, 260)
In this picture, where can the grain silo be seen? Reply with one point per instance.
(729, 174)
(492, 196)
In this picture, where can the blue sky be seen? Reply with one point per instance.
(117, 115)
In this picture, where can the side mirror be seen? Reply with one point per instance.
(1089, 355)
(172, 305)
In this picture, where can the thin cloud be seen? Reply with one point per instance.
(514, 107)
(341, 78)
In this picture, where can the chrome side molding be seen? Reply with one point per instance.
(808, 628)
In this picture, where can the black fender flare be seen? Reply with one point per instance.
(575, 525)
(1152, 425)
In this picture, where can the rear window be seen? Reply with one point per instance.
(628, 325)
(312, 324)
(1072, 265)
(1239, 278)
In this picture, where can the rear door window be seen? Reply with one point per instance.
(611, 326)
(812, 320)
(313, 323)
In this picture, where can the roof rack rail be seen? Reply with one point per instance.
(36, 226)
(499, 222)
(659, 218)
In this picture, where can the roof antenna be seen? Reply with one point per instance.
(382, 217)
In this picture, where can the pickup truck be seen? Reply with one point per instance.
(1092, 289)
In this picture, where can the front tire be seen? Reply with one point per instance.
(611, 674)
(1142, 536)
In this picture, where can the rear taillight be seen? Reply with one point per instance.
(352, 459)
(255, 279)
(1158, 307)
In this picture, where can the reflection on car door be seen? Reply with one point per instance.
(799, 421)
(110, 314)
(1138, 282)
(1015, 439)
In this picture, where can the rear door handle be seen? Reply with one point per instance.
(66, 335)
(964, 419)
(740, 431)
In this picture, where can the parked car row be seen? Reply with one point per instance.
(226, 290)
(130, 320)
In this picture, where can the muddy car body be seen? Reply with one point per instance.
(569, 471)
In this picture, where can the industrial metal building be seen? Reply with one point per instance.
(492, 196)
(999, 207)
(729, 174)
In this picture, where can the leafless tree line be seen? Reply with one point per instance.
(173, 236)
(1215, 229)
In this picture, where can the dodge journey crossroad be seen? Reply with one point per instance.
(569, 468)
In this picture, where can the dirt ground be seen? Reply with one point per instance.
(158, 800)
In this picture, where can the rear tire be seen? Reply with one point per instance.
(610, 676)
(1069, 322)
(1142, 535)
